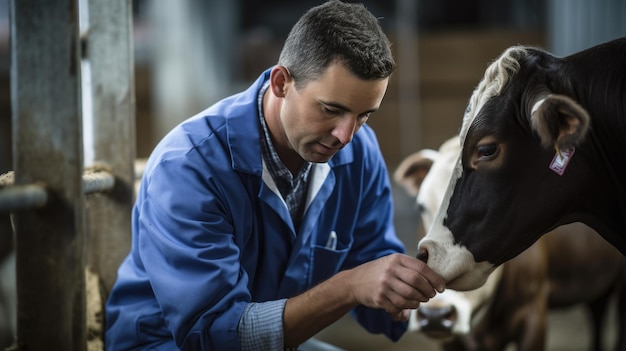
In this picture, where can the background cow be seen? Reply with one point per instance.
(568, 266)
(543, 143)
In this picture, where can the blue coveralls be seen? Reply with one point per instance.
(210, 233)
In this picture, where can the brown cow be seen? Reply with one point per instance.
(570, 265)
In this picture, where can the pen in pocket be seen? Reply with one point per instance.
(331, 243)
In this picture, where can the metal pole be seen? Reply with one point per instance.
(410, 133)
(110, 55)
(47, 136)
(22, 197)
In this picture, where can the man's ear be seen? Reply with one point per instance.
(279, 79)
(559, 121)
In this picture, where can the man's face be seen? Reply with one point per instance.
(321, 117)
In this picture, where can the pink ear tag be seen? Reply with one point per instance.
(560, 161)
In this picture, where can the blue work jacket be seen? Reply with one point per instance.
(210, 232)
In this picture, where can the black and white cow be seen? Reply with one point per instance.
(568, 266)
(543, 144)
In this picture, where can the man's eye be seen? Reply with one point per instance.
(487, 151)
(330, 111)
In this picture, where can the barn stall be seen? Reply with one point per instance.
(71, 200)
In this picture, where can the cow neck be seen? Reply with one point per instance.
(604, 151)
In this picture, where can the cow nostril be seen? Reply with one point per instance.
(450, 318)
(422, 255)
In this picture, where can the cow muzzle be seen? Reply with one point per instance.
(454, 263)
(437, 322)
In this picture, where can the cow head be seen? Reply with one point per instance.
(519, 124)
(425, 175)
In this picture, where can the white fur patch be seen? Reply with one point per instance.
(436, 181)
(536, 106)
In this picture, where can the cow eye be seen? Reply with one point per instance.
(487, 151)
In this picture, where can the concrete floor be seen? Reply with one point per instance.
(567, 329)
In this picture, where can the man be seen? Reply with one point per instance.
(268, 216)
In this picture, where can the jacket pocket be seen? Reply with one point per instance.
(325, 262)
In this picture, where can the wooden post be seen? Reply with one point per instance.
(47, 131)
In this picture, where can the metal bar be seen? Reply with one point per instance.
(110, 56)
(22, 197)
(29, 196)
(47, 149)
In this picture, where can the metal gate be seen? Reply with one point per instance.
(68, 218)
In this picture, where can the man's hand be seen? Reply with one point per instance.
(394, 283)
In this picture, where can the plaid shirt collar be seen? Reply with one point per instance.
(293, 189)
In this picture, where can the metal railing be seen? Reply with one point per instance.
(68, 219)
(20, 197)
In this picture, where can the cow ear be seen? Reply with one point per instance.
(413, 169)
(559, 121)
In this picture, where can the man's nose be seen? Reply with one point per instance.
(345, 129)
